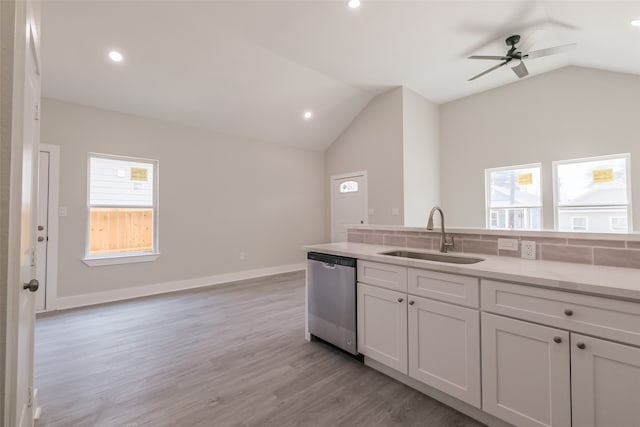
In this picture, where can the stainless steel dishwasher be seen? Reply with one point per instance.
(332, 299)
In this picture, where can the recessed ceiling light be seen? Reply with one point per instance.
(636, 22)
(307, 115)
(115, 56)
(354, 4)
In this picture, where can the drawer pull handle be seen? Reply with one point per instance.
(411, 302)
(400, 299)
(568, 312)
(581, 346)
(557, 340)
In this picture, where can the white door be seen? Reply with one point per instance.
(20, 362)
(525, 372)
(382, 326)
(605, 383)
(349, 203)
(43, 229)
(444, 348)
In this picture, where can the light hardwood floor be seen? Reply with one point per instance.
(224, 356)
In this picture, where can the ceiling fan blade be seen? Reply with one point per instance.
(531, 40)
(497, 58)
(520, 70)
(550, 51)
(488, 71)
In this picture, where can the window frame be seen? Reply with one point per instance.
(130, 257)
(628, 205)
(487, 195)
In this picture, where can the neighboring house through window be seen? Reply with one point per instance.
(593, 194)
(122, 210)
(514, 197)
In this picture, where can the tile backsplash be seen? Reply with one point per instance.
(616, 253)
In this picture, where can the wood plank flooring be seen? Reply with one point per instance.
(223, 356)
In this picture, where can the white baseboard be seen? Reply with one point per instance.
(63, 303)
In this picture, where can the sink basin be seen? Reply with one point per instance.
(453, 259)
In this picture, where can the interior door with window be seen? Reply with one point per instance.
(349, 203)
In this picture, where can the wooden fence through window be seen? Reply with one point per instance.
(120, 230)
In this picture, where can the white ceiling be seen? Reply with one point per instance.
(252, 68)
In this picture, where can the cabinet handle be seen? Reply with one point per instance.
(568, 312)
(400, 299)
(557, 340)
(581, 346)
(411, 302)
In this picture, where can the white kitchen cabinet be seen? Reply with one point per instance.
(444, 348)
(453, 288)
(382, 326)
(387, 276)
(605, 383)
(525, 372)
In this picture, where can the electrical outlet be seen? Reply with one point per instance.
(528, 249)
(242, 255)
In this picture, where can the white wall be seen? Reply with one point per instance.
(569, 113)
(373, 142)
(219, 195)
(421, 157)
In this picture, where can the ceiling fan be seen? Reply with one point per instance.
(517, 54)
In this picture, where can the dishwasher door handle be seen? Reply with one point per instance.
(329, 265)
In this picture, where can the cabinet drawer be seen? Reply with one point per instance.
(384, 275)
(613, 319)
(445, 287)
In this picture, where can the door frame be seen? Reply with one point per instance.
(51, 285)
(363, 174)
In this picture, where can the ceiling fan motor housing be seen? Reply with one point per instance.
(512, 40)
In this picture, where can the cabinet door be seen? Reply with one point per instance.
(605, 383)
(444, 348)
(525, 372)
(382, 326)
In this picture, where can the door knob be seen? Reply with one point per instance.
(40, 238)
(581, 345)
(411, 302)
(40, 227)
(557, 340)
(33, 285)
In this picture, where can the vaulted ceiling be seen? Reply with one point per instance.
(251, 68)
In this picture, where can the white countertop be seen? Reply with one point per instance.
(606, 281)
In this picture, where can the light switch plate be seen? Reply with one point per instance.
(62, 211)
(508, 244)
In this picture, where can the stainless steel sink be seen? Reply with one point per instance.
(453, 259)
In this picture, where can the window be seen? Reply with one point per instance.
(122, 209)
(618, 224)
(579, 223)
(596, 189)
(514, 197)
(349, 187)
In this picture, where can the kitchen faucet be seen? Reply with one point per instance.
(446, 241)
